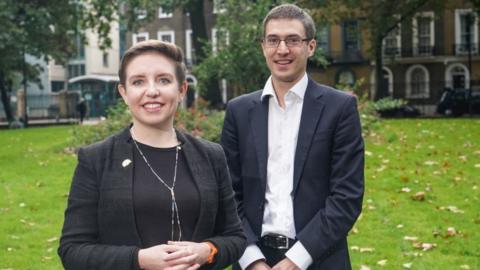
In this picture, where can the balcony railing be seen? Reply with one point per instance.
(345, 57)
(463, 48)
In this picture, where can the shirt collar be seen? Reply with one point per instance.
(298, 89)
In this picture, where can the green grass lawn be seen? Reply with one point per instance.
(440, 158)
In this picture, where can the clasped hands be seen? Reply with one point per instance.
(182, 255)
(285, 264)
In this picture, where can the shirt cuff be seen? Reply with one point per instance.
(252, 253)
(299, 256)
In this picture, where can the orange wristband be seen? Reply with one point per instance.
(213, 251)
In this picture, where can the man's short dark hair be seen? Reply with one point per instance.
(169, 50)
(292, 12)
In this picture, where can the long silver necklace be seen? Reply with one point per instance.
(175, 213)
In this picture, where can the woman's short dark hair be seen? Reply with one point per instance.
(169, 50)
(291, 12)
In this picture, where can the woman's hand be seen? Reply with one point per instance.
(167, 257)
(201, 250)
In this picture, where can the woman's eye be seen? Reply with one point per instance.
(137, 82)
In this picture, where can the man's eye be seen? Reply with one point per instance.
(272, 40)
(292, 41)
(165, 80)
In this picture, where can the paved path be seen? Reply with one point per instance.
(51, 122)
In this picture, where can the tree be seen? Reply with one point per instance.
(43, 29)
(379, 18)
(239, 58)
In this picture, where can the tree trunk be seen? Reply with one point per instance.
(199, 35)
(5, 97)
(380, 90)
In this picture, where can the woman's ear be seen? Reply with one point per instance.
(183, 90)
(123, 92)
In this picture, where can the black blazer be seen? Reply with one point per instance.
(328, 169)
(100, 231)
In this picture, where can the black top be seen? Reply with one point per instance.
(152, 201)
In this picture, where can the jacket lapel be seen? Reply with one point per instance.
(311, 114)
(258, 115)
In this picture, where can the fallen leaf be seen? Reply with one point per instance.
(399, 226)
(364, 267)
(419, 196)
(53, 239)
(407, 265)
(477, 165)
(452, 208)
(366, 250)
(406, 189)
(430, 162)
(354, 248)
(368, 153)
(382, 262)
(451, 231)
(22, 204)
(465, 267)
(410, 238)
(424, 246)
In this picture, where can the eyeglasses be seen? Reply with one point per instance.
(273, 42)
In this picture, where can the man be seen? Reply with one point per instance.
(296, 157)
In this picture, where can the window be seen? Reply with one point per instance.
(162, 14)
(218, 6)
(350, 36)
(393, 42)
(75, 70)
(167, 36)
(57, 86)
(189, 49)
(466, 31)
(418, 82)
(457, 77)
(105, 59)
(139, 37)
(140, 13)
(220, 39)
(323, 39)
(80, 49)
(423, 33)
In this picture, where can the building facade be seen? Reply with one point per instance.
(434, 50)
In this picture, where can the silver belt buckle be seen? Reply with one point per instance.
(286, 242)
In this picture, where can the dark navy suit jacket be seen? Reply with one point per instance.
(328, 169)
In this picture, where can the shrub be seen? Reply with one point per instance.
(198, 121)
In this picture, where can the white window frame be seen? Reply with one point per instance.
(170, 33)
(398, 38)
(448, 75)
(141, 14)
(163, 15)
(415, 40)
(215, 39)
(137, 35)
(188, 44)
(458, 39)
(408, 80)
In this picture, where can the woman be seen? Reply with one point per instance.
(151, 197)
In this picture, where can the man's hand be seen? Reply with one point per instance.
(258, 265)
(285, 264)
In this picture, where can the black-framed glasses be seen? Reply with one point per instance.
(274, 42)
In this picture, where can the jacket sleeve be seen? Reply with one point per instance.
(229, 237)
(229, 142)
(331, 224)
(79, 247)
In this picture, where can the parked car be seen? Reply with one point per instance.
(456, 102)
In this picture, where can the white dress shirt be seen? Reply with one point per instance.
(283, 126)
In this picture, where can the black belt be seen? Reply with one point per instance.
(277, 241)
